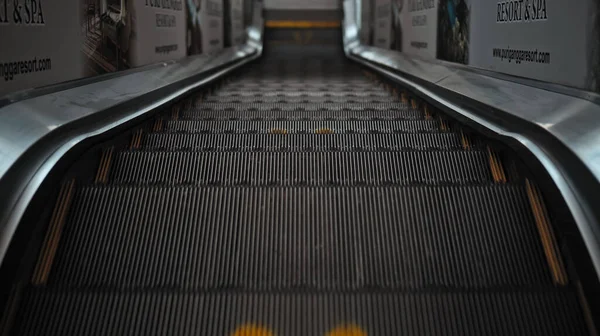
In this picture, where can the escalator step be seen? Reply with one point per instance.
(394, 108)
(324, 85)
(286, 87)
(296, 100)
(172, 312)
(392, 126)
(301, 237)
(303, 142)
(297, 112)
(301, 168)
(302, 93)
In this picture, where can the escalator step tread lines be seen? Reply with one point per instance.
(300, 198)
(303, 142)
(93, 312)
(302, 126)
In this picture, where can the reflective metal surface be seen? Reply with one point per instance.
(27, 121)
(35, 133)
(568, 120)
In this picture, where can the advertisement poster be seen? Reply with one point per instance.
(41, 43)
(548, 40)
(122, 34)
(302, 4)
(234, 22)
(383, 24)
(52, 42)
(366, 21)
(159, 31)
(205, 26)
(554, 41)
(417, 27)
(454, 20)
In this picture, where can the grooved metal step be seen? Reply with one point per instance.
(302, 93)
(296, 100)
(197, 313)
(285, 82)
(303, 198)
(309, 237)
(324, 86)
(298, 112)
(235, 126)
(393, 108)
(283, 88)
(302, 142)
(301, 168)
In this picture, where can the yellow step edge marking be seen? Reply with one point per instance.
(302, 24)
(133, 140)
(10, 312)
(404, 98)
(50, 245)
(414, 103)
(542, 221)
(107, 165)
(368, 74)
(175, 111)
(100, 168)
(501, 171)
(279, 131)
(428, 115)
(444, 125)
(496, 167)
(466, 143)
(103, 167)
(324, 131)
(297, 38)
(493, 167)
(347, 330)
(587, 313)
(309, 36)
(136, 139)
(252, 330)
(139, 142)
(157, 125)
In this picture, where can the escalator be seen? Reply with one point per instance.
(300, 196)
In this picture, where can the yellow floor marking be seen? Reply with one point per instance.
(347, 330)
(302, 24)
(252, 330)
